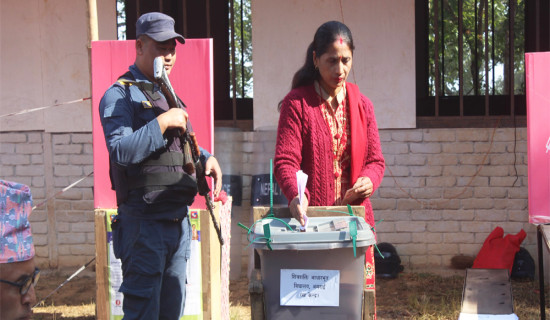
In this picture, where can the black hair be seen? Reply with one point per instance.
(325, 35)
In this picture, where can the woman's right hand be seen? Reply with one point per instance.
(298, 211)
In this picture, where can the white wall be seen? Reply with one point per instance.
(383, 62)
(44, 61)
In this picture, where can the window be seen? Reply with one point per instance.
(209, 19)
(240, 57)
(470, 60)
(242, 49)
(121, 19)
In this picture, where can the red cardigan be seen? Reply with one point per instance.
(304, 142)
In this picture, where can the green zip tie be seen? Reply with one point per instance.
(379, 251)
(374, 230)
(375, 224)
(259, 238)
(268, 239)
(243, 226)
(251, 229)
(267, 234)
(350, 211)
(353, 233)
(271, 187)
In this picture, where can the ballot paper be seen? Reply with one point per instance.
(301, 179)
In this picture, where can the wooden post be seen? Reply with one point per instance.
(284, 212)
(210, 264)
(101, 267)
(92, 22)
(256, 291)
(368, 304)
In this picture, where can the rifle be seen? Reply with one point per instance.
(191, 148)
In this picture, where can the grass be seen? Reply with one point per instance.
(411, 296)
(84, 311)
(419, 296)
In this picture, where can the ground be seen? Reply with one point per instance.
(410, 296)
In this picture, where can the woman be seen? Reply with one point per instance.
(328, 130)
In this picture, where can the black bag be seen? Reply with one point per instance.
(388, 265)
(524, 265)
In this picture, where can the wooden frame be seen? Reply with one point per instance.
(211, 259)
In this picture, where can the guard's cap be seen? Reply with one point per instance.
(158, 26)
(16, 243)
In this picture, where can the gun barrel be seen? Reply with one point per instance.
(162, 79)
(158, 68)
(214, 220)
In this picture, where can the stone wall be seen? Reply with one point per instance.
(443, 192)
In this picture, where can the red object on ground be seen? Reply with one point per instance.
(498, 252)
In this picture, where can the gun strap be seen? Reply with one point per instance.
(166, 159)
(128, 79)
(161, 179)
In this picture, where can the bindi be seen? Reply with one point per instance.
(341, 40)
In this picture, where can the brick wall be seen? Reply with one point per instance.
(443, 192)
(63, 227)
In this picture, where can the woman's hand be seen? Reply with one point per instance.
(298, 211)
(361, 189)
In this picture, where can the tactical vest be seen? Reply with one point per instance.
(161, 177)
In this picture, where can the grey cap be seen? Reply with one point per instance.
(157, 26)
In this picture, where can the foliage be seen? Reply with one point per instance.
(243, 49)
(121, 19)
(477, 39)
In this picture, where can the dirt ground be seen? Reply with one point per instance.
(74, 300)
(410, 296)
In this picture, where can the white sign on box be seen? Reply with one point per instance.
(305, 287)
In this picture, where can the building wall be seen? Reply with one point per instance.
(63, 228)
(443, 192)
(44, 62)
(383, 60)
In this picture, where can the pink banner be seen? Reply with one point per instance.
(191, 78)
(537, 67)
(225, 224)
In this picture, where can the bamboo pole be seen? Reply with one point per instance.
(102, 278)
(92, 16)
(233, 72)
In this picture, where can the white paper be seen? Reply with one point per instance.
(468, 316)
(301, 180)
(115, 278)
(305, 287)
(193, 293)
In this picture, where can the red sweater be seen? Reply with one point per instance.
(304, 143)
